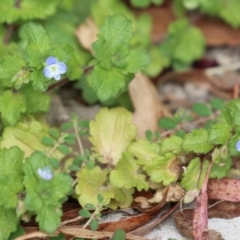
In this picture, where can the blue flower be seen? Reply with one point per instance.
(54, 69)
(238, 146)
(45, 173)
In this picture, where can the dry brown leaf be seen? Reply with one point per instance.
(183, 220)
(225, 189)
(87, 33)
(217, 32)
(147, 105)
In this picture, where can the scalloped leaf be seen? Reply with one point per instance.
(90, 184)
(111, 133)
(126, 174)
(197, 142)
(163, 169)
(144, 150)
(8, 222)
(172, 144)
(219, 133)
(11, 176)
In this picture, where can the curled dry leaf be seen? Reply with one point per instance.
(87, 33)
(147, 105)
(227, 189)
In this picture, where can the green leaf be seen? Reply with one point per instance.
(11, 176)
(94, 225)
(111, 133)
(158, 62)
(48, 141)
(126, 174)
(27, 10)
(66, 126)
(144, 151)
(114, 37)
(64, 149)
(84, 213)
(184, 43)
(228, 113)
(45, 197)
(54, 133)
(163, 169)
(27, 136)
(220, 169)
(217, 103)
(74, 63)
(135, 60)
(36, 101)
(172, 144)
(54, 162)
(8, 222)
(13, 71)
(197, 142)
(39, 81)
(201, 109)
(195, 174)
(100, 198)
(107, 83)
(12, 106)
(149, 135)
(167, 123)
(219, 133)
(90, 184)
(19, 232)
(37, 44)
(119, 234)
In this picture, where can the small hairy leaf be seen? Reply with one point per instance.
(84, 213)
(201, 109)
(48, 141)
(217, 103)
(94, 225)
(119, 234)
(167, 123)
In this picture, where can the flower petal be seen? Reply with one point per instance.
(48, 72)
(57, 77)
(45, 173)
(51, 60)
(238, 146)
(62, 68)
